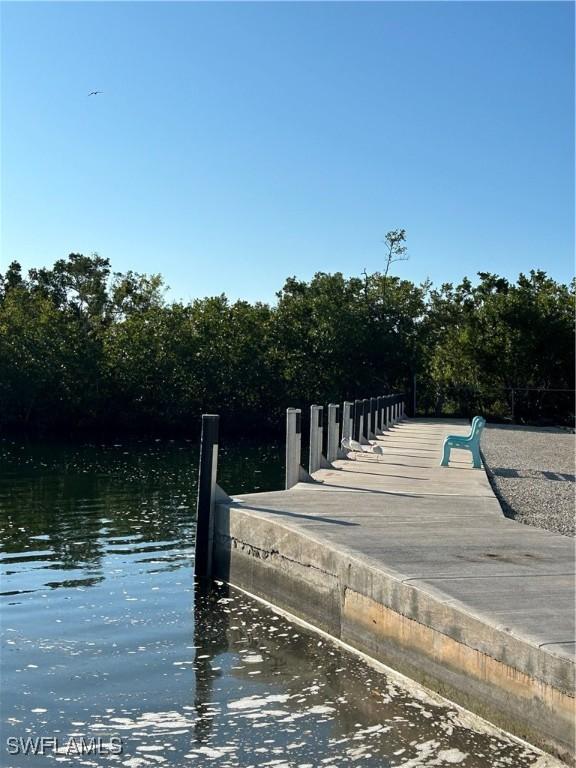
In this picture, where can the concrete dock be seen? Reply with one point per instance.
(415, 565)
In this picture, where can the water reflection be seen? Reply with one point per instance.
(210, 640)
(270, 693)
(70, 508)
(103, 633)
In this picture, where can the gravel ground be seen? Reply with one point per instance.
(532, 472)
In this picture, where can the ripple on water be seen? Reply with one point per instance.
(114, 642)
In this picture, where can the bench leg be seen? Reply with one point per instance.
(476, 460)
(445, 455)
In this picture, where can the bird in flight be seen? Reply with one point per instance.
(95, 93)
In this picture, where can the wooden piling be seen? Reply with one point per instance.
(206, 495)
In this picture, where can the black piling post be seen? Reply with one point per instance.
(373, 408)
(388, 401)
(366, 418)
(357, 419)
(206, 492)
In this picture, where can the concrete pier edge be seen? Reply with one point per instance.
(277, 563)
(468, 717)
(292, 550)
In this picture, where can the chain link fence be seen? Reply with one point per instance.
(540, 406)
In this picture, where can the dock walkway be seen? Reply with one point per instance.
(416, 565)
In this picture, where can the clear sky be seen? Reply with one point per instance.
(235, 144)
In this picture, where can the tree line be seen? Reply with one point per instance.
(83, 347)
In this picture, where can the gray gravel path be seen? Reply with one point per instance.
(532, 471)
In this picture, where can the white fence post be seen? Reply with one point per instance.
(293, 445)
(347, 419)
(316, 436)
(333, 432)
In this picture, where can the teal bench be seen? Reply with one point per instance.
(470, 442)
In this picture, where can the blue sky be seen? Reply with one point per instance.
(235, 144)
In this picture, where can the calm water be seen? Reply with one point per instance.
(104, 637)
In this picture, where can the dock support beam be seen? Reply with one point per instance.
(347, 419)
(365, 435)
(373, 408)
(379, 416)
(294, 471)
(333, 432)
(357, 420)
(206, 495)
(317, 460)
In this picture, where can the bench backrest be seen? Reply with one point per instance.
(478, 424)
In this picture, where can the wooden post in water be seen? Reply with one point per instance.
(206, 495)
(333, 432)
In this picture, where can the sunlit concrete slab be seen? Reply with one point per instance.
(416, 565)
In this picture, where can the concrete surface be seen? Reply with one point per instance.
(416, 565)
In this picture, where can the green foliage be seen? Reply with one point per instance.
(346, 338)
(84, 347)
(496, 338)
